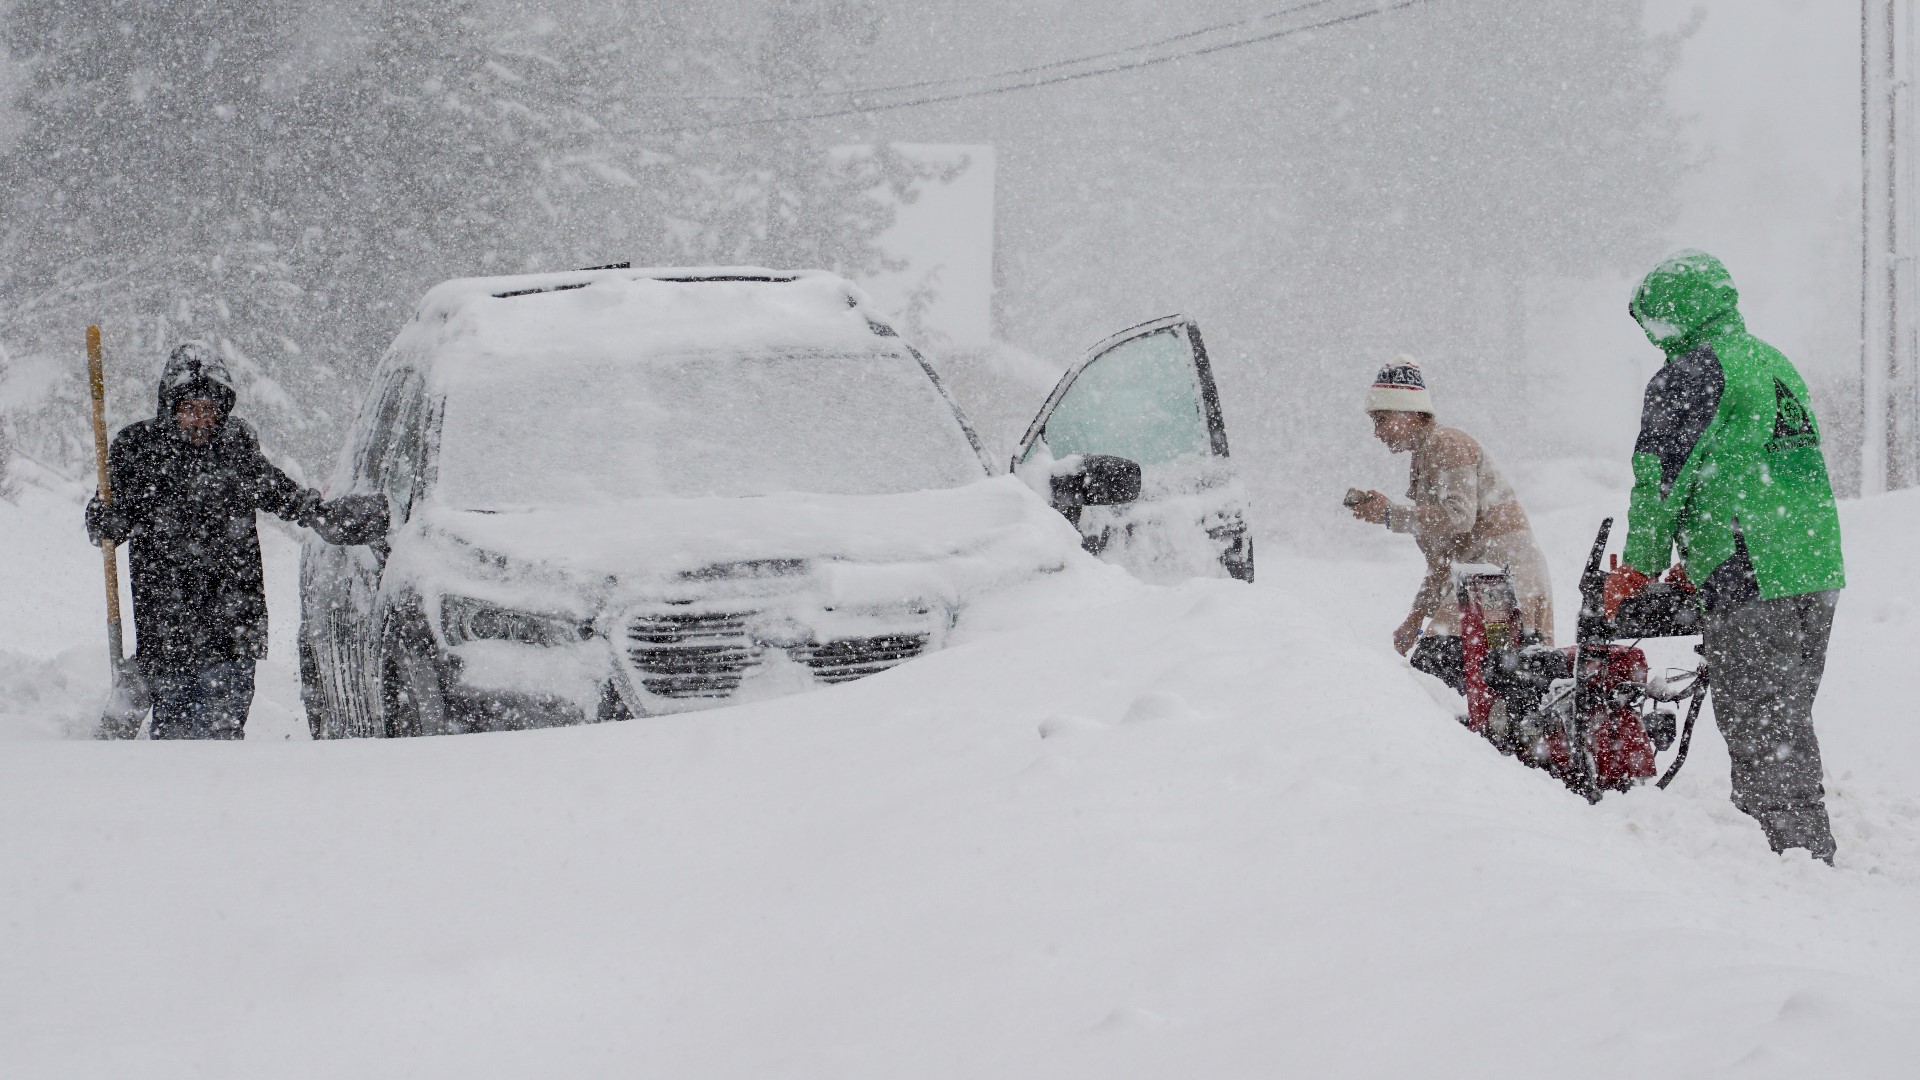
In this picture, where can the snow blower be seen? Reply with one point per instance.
(1592, 715)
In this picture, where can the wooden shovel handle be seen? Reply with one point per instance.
(96, 381)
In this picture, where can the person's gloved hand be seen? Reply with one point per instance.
(1623, 584)
(1677, 575)
(1372, 509)
(304, 508)
(352, 519)
(105, 522)
(1407, 634)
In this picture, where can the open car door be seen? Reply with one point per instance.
(1144, 396)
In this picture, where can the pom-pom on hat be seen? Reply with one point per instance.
(1400, 388)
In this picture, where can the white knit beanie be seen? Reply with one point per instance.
(1400, 388)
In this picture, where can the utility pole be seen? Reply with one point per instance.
(1890, 385)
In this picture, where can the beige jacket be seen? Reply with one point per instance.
(1463, 511)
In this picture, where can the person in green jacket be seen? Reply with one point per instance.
(1728, 468)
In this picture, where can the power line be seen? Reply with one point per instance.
(1032, 83)
(983, 76)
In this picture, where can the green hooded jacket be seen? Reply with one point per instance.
(1728, 464)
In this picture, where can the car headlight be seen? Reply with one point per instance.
(464, 619)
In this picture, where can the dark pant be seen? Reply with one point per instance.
(210, 703)
(1765, 659)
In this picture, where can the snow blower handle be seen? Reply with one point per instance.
(1593, 625)
(1591, 637)
(1686, 734)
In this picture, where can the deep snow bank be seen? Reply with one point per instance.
(53, 644)
(1204, 831)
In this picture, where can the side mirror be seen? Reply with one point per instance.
(1097, 480)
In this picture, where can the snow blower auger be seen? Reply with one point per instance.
(1590, 715)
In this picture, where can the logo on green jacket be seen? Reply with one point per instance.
(1792, 423)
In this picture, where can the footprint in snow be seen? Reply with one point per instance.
(1156, 706)
(1054, 727)
(1130, 1018)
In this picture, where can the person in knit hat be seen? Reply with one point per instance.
(1459, 509)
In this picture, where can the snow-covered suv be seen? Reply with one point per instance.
(628, 492)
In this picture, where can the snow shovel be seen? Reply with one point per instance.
(127, 703)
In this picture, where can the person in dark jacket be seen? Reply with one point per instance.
(1728, 468)
(185, 488)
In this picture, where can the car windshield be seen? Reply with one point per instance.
(725, 425)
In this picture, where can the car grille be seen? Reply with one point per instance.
(852, 658)
(707, 654)
(690, 655)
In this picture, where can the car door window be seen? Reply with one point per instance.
(1146, 394)
(401, 463)
(1139, 400)
(379, 437)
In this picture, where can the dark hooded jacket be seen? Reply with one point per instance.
(198, 593)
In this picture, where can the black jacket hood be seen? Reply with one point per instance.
(194, 370)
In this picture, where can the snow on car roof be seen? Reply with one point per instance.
(486, 327)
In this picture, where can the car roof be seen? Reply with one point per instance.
(475, 327)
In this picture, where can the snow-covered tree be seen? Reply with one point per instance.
(285, 178)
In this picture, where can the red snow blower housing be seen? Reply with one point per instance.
(1589, 715)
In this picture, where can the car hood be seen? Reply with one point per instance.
(993, 528)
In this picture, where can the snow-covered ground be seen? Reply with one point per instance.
(1202, 831)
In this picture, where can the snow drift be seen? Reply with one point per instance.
(1209, 830)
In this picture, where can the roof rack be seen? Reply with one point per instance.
(541, 289)
(694, 280)
(731, 277)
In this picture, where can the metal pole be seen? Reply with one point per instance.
(1881, 310)
(1903, 364)
(1890, 192)
(1872, 387)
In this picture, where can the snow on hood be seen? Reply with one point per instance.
(994, 529)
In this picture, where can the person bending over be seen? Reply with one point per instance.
(1459, 510)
